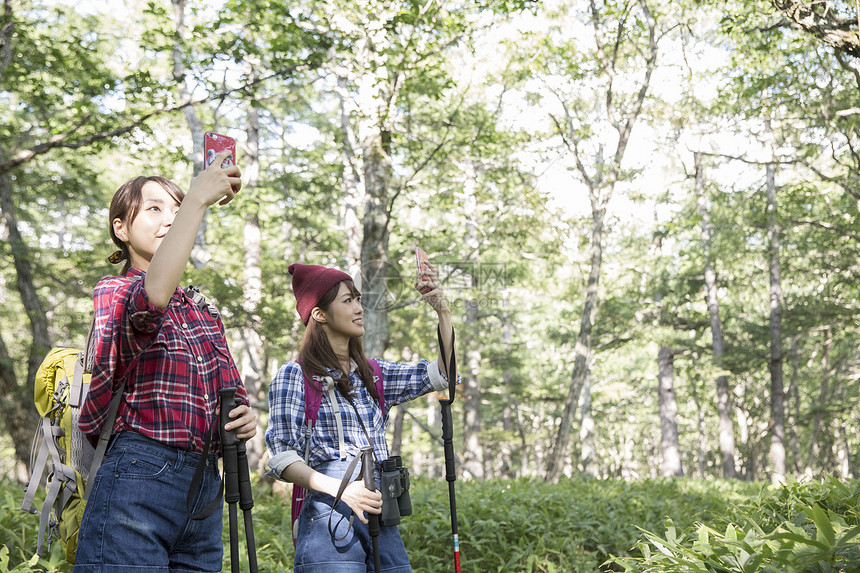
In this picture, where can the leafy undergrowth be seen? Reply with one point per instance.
(578, 525)
(809, 527)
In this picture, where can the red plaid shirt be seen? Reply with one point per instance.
(175, 359)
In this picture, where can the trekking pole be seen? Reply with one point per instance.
(448, 441)
(372, 518)
(246, 503)
(237, 483)
(229, 450)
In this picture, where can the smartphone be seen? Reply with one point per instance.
(215, 143)
(420, 259)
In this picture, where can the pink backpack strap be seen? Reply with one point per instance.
(377, 380)
(313, 398)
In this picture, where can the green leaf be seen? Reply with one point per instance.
(825, 527)
(731, 533)
(801, 539)
(852, 533)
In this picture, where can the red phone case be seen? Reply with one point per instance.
(215, 143)
(420, 259)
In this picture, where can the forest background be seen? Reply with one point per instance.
(645, 212)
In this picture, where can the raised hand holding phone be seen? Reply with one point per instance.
(430, 287)
(216, 183)
(421, 262)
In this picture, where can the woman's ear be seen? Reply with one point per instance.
(119, 230)
(318, 315)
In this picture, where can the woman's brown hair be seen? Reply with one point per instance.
(126, 204)
(316, 355)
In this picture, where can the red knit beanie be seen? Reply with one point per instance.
(311, 283)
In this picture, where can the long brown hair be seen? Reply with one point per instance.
(316, 354)
(126, 204)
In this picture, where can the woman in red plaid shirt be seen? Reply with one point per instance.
(173, 356)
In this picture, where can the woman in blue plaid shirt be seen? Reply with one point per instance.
(331, 355)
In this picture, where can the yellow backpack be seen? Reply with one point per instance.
(60, 448)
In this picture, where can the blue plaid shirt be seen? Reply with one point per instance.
(285, 436)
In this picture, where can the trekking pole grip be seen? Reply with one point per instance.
(229, 446)
(373, 526)
(369, 483)
(228, 402)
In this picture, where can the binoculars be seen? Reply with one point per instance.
(395, 491)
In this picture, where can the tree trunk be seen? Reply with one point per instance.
(669, 446)
(375, 138)
(17, 413)
(846, 466)
(601, 185)
(397, 428)
(435, 461)
(526, 455)
(199, 254)
(352, 186)
(792, 401)
(777, 400)
(254, 357)
(700, 429)
(374, 250)
(820, 407)
(473, 454)
(582, 353)
(513, 417)
(586, 431)
(724, 405)
(17, 409)
(826, 25)
(748, 464)
(506, 447)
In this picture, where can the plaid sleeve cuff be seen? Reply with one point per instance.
(280, 462)
(145, 316)
(437, 379)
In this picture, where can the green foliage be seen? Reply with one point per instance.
(504, 525)
(18, 531)
(528, 525)
(578, 525)
(810, 527)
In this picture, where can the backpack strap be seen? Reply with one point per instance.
(313, 398)
(62, 474)
(104, 437)
(37, 468)
(377, 381)
(89, 358)
(76, 389)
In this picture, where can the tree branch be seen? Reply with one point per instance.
(817, 19)
(6, 37)
(60, 141)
